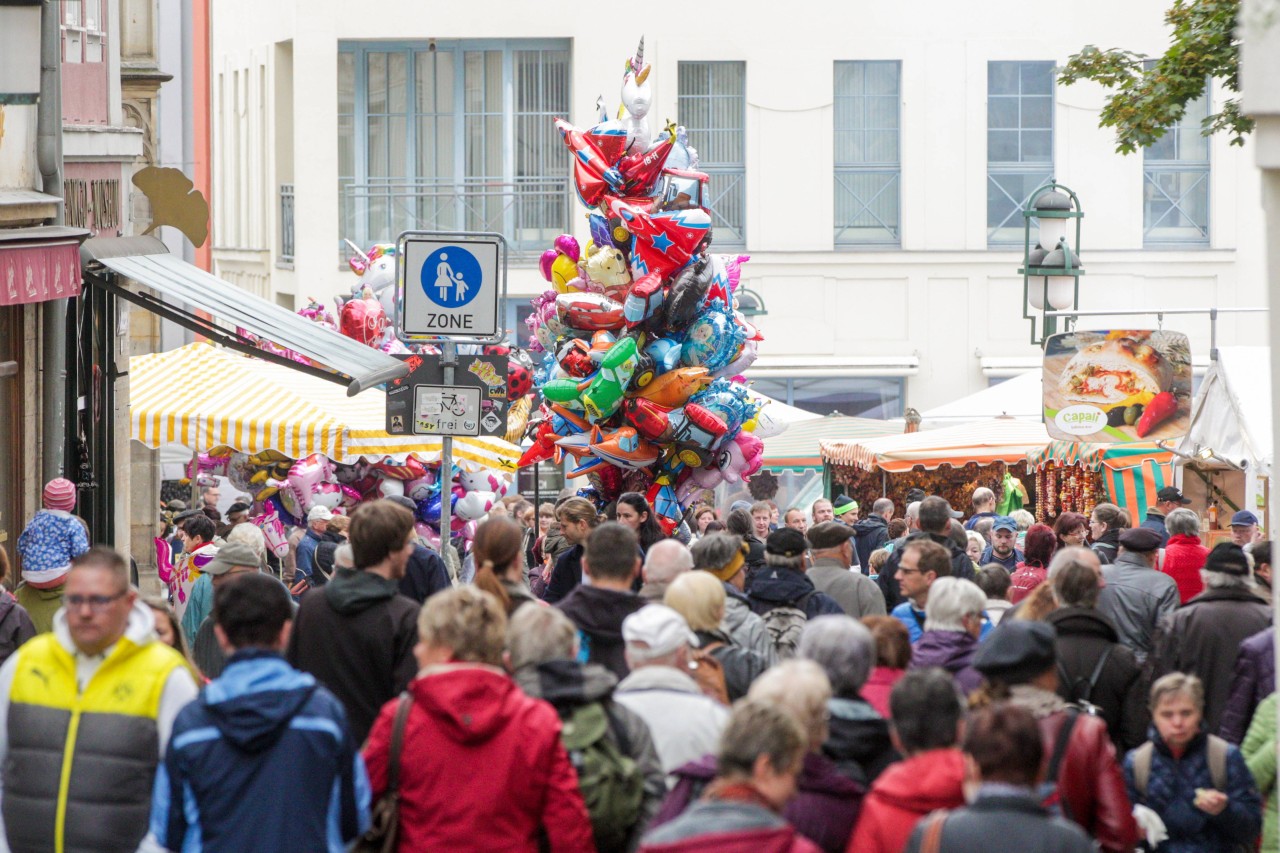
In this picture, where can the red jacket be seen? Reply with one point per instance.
(1090, 781)
(1024, 581)
(1184, 557)
(482, 767)
(878, 687)
(903, 794)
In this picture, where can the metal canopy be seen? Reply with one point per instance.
(169, 278)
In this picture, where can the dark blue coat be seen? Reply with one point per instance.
(262, 760)
(1171, 790)
(774, 586)
(1253, 681)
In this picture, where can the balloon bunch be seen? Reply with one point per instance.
(290, 488)
(643, 344)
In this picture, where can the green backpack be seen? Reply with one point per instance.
(611, 782)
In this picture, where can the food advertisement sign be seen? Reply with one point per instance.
(1117, 386)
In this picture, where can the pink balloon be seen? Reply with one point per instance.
(544, 263)
(427, 534)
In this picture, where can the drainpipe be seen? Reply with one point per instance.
(53, 312)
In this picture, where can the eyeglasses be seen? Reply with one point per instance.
(903, 571)
(95, 602)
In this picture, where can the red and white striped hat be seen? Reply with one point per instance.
(60, 493)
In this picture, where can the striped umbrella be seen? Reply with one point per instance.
(203, 397)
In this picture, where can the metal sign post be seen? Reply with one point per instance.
(448, 360)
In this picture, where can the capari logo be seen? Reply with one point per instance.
(1080, 420)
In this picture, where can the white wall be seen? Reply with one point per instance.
(943, 296)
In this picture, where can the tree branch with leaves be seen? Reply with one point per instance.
(1145, 102)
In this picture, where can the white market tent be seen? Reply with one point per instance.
(1229, 439)
(1020, 398)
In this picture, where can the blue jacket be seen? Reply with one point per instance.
(262, 760)
(1010, 562)
(305, 558)
(772, 586)
(1171, 788)
(914, 619)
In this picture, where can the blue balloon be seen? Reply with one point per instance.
(287, 517)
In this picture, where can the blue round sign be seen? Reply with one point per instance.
(451, 277)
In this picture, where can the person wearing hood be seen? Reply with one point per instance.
(857, 735)
(356, 633)
(724, 555)
(826, 802)
(755, 775)
(97, 694)
(953, 622)
(833, 555)
(685, 723)
(542, 652)
(700, 599)
(928, 720)
(482, 766)
(1092, 665)
(1019, 663)
(783, 582)
(47, 545)
(260, 728)
(872, 532)
(611, 560)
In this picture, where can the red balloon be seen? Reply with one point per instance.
(364, 320)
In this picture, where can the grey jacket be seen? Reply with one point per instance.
(744, 626)
(856, 593)
(1136, 597)
(685, 725)
(1013, 817)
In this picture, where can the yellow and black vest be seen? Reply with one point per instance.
(80, 766)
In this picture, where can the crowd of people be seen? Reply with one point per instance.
(788, 680)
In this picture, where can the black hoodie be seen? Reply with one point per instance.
(356, 636)
(873, 533)
(598, 615)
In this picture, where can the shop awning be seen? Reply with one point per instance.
(204, 397)
(1131, 473)
(984, 442)
(228, 312)
(39, 263)
(798, 447)
(1231, 417)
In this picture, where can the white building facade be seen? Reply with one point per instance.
(869, 157)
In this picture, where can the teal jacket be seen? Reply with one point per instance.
(199, 605)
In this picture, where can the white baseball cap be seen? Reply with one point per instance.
(659, 627)
(319, 512)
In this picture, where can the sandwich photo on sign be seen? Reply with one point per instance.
(1117, 386)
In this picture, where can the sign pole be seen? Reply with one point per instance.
(448, 359)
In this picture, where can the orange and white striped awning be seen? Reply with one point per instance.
(984, 442)
(203, 397)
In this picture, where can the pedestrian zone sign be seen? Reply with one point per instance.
(450, 285)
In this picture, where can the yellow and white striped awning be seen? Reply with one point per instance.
(203, 397)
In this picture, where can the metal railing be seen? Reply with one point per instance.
(286, 223)
(529, 212)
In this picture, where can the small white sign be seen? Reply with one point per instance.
(446, 410)
(1080, 420)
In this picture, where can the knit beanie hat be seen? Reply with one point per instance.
(60, 493)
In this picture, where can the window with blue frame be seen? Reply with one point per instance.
(1175, 181)
(712, 104)
(454, 136)
(867, 153)
(1019, 143)
(855, 396)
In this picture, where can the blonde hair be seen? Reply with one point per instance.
(800, 687)
(878, 558)
(1177, 683)
(468, 621)
(698, 597)
(578, 509)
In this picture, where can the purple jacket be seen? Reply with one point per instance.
(951, 650)
(824, 809)
(1254, 680)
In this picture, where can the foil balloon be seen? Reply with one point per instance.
(588, 312)
(421, 488)
(603, 395)
(607, 267)
(363, 320)
(428, 534)
(593, 174)
(642, 169)
(482, 481)
(377, 271)
(671, 389)
(273, 529)
(712, 341)
(328, 495)
(689, 292)
(473, 505)
(637, 97)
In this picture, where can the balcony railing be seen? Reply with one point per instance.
(286, 223)
(529, 212)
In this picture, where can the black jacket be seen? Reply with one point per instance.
(755, 554)
(425, 574)
(858, 740)
(1107, 546)
(565, 575)
(1084, 635)
(997, 822)
(741, 666)
(356, 636)
(873, 533)
(598, 615)
(322, 562)
(1203, 638)
(961, 566)
(15, 626)
(774, 586)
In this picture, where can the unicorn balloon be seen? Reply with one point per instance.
(273, 530)
(637, 97)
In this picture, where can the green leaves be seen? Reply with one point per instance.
(1146, 101)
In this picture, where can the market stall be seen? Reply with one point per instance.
(1075, 476)
(950, 462)
(1226, 455)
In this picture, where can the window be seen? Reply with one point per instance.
(712, 103)
(454, 136)
(867, 161)
(856, 396)
(1175, 182)
(515, 310)
(1019, 143)
(82, 31)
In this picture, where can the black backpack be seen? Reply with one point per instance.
(1080, 690)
